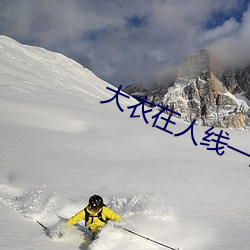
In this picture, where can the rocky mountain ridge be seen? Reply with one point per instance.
(198, 92)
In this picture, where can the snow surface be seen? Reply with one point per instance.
(59, 146)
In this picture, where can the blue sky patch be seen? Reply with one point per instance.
(219, 17)
(136, 21)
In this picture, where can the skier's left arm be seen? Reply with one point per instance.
(111, 215)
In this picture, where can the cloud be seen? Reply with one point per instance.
(228, 28)
(232, 50)
(125, 41)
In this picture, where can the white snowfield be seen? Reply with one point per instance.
(59, 146)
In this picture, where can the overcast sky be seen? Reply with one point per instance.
(131, 41)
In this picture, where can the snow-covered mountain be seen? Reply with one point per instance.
(59, 145)
(200, 93)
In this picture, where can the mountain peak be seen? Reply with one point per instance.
(199, 93)
(197, 64)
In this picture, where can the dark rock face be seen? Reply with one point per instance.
(135, 89)
(237, 81)
(198, 93)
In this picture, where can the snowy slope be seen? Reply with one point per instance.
(59, 145)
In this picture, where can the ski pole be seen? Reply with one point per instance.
(146, 238)
(45, 228)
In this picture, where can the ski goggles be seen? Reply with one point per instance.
(94, 208)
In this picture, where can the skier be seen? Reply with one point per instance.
(95, 214)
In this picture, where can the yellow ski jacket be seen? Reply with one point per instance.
(94, 223)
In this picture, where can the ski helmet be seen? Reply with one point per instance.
(95, 202)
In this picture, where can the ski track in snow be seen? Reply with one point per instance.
(43, 117)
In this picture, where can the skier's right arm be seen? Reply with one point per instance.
(77, 217)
